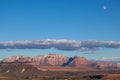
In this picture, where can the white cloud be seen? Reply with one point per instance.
(109, 59)
(62, 44)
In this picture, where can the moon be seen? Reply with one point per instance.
(104, 7)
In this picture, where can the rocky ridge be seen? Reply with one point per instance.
(61, 60)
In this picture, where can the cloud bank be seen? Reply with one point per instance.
(62, 44)
(109, 59)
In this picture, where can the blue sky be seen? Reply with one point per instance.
(60, 19)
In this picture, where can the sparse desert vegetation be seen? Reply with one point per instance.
(93, 75)
(12, 71)
(62, 78)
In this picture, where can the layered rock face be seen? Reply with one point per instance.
(61, 60)
(18, 59)
(44, 60)
(50, 59)
(78, 61)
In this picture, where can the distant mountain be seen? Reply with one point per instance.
(78, 62)
(18, 59)
(61, 60)
(50, 59)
